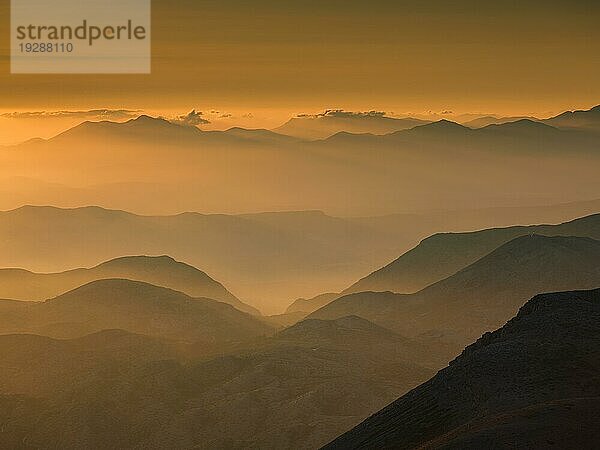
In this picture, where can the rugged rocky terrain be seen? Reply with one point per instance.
(534, 383)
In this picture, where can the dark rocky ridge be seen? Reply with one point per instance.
(534, 383)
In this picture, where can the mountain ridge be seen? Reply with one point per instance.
(523, 378)
(481, 296)
(442, 254)
(20, 284)
(136, 307)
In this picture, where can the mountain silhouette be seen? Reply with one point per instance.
(481, 122)
(160, 130)
(152, 165)
(534, 383)
(136, 307)
(442, 255)
(483, 295)
(441, 126)
(161, 271)
(325, 125)
(582, 119)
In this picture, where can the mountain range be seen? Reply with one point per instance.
(321, 126)
(266, 259)
(442, 255)
(331, 122)
(580, 119)
(148, 162)
(106, 342)
(126, 364)
(481, 296)
(135, 307)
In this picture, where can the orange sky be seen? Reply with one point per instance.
(275, 59)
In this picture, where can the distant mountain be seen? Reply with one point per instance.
(312, 304)
(582, 119)
(162, 271)
(442, 255)
(483, 295)
(142, 127)
(520, 137)
(257, 135)
(160, 130)
(153, 166)
(443, 127)
(327, 124)
(577, 120)
(298, 389)
(135, 307)
(263, 258)
(534, 383)
(481, 122)
(521, 127)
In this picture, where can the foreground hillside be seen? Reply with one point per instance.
(534, 383)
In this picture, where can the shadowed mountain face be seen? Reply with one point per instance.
(136, 307)
(294, 390)
(482, 296)
(534, 383)
(161, 271)
(442, 255)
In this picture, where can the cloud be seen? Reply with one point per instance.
(92, 114)
(340, 113)
(191, 119)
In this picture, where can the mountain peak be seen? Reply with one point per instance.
(117, 289)
(149, 121)
(141, 260)
(443, 125)
(166, 271)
